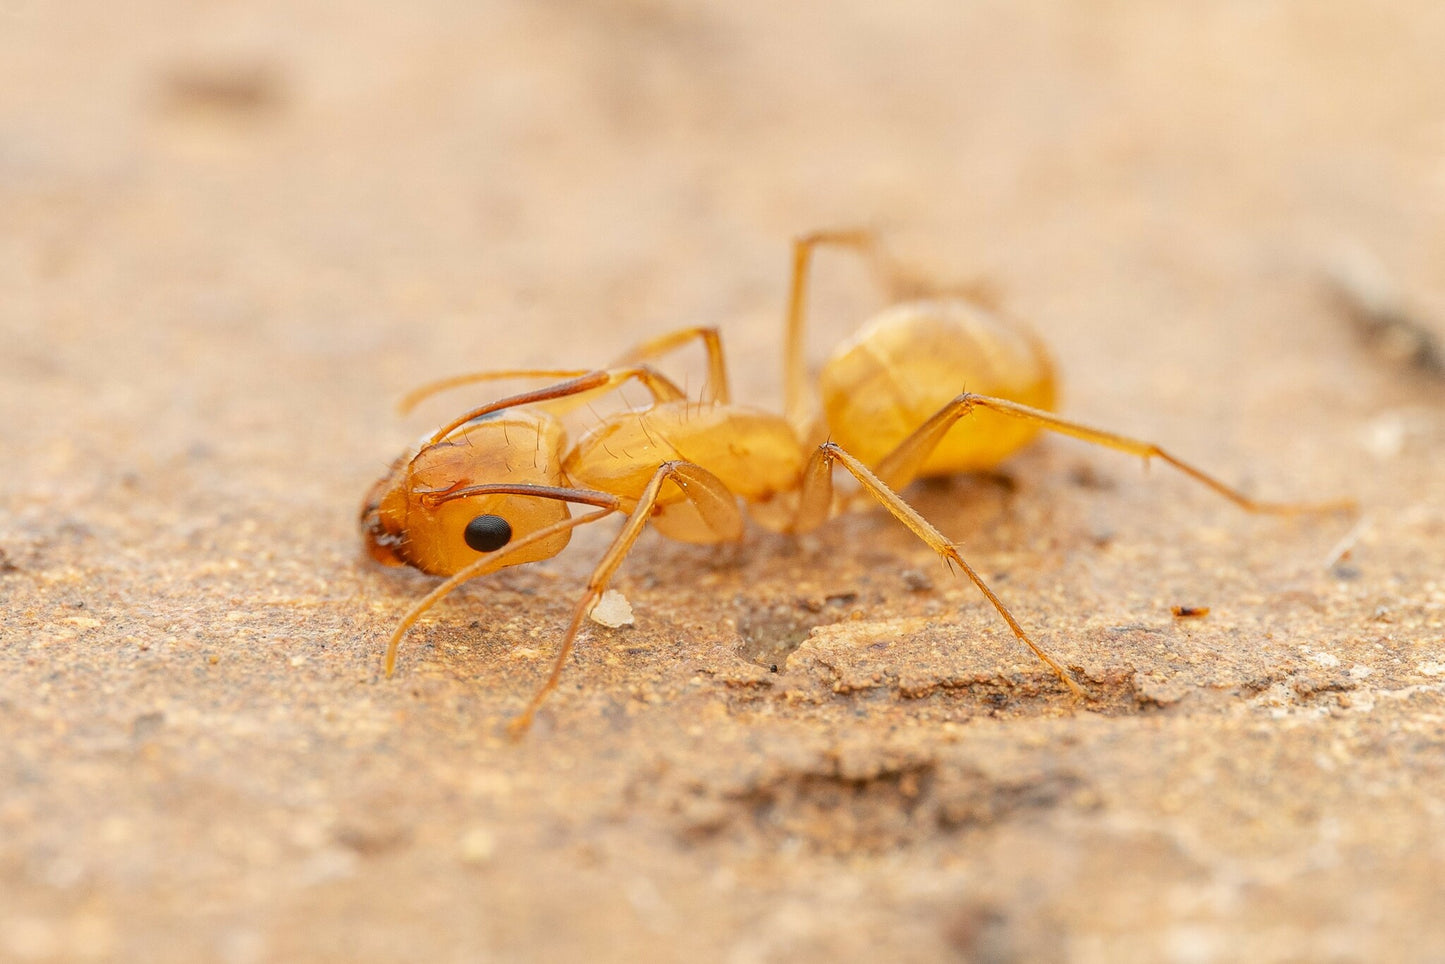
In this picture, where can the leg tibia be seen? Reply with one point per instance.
(816, 502)
(902, 465)
(714, 503)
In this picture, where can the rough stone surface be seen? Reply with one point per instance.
(233, 234)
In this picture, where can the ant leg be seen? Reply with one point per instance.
(421, 393)
(662, 389)
(901, 466)
(815, 506)
(797, 407)
(483, 566)
(717, 375)
(715, 504)
(892, 277)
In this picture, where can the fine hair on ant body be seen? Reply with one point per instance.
(893, 409)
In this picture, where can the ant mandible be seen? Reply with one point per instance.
(464, 504)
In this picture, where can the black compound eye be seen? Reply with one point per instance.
(487, 533)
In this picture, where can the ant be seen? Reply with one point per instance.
(493, 487)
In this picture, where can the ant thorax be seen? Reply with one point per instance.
(755, 454)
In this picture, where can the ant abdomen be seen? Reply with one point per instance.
(914, 358)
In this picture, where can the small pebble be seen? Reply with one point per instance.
(612, 610)
(478, 845)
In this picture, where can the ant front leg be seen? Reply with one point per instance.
(490, 563)
(815, 505)
(421, 393)
(902, 465)
(714, 504)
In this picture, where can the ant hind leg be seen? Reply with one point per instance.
(902, 465)
(815, 505)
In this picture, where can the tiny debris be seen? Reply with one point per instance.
(612, 610)
(235, 87)
(1384, 437)
(1364, 288)
(477, 846)
(1335, 561)
(1189, 612)
(146, 725)
(1086, 476)
(370, 839)
(916, 580)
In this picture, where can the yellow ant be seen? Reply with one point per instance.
(493, 487)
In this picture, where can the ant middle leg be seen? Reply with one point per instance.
(716, 390)
(903, 464)
(815, 505)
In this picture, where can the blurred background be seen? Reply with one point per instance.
(370, 195)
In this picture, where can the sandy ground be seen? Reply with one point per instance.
(231, 235)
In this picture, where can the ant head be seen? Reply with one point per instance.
(426, 511)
